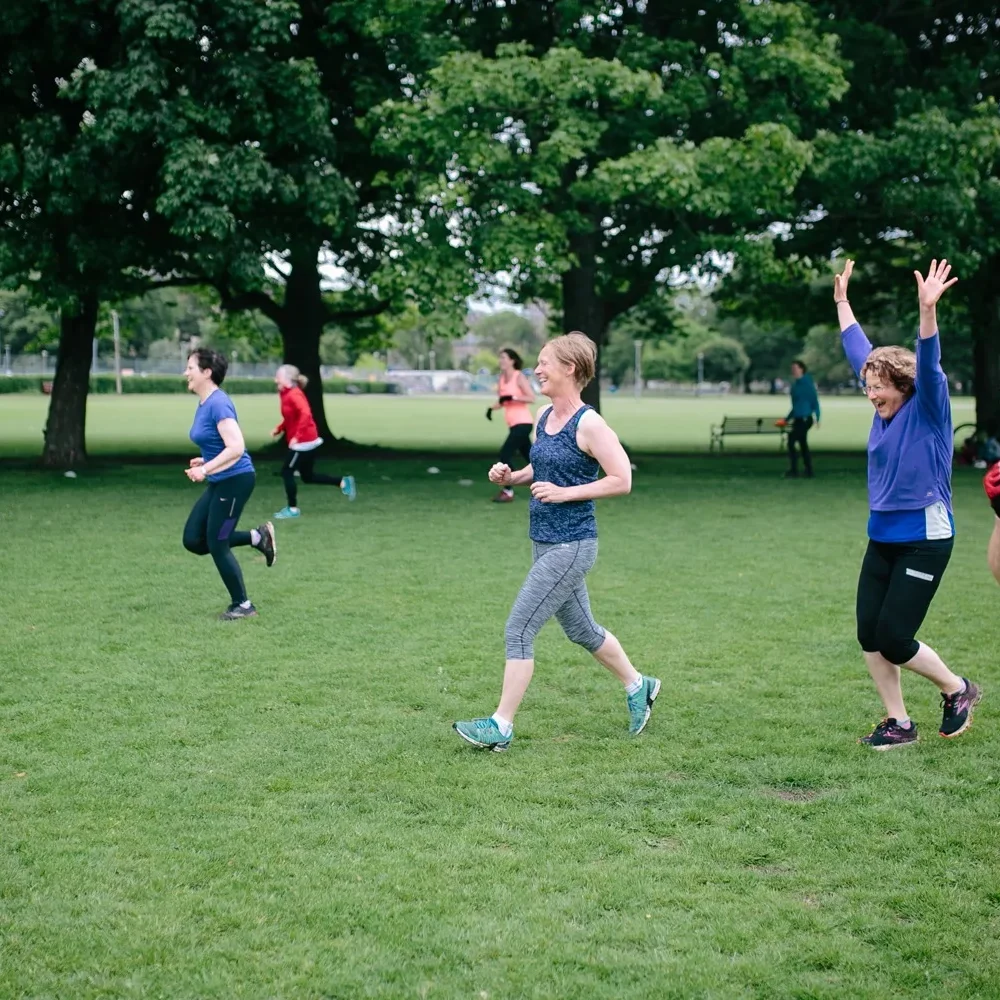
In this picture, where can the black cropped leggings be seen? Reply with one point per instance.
(895, 589)
(210, 528)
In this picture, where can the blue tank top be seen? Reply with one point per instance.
(557, 459)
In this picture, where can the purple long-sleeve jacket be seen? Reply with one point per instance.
(909, 455)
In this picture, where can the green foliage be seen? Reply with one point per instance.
(483, 360)
(24, 326)
(724, 359)
(612, 154)
(507, 328)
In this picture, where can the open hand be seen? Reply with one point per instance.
(549, 493)
(931, 288)
(840, 282)
(500, 474)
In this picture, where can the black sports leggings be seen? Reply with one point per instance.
(518, 440)
(302, 463)
(895, 589)
(799, 435)
(210, 528)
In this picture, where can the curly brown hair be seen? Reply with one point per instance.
(893, 364)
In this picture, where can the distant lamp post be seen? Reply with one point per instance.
(638, 368)
(431, 359)
(701, 372)
(45, 361)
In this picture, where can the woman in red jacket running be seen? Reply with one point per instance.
(303, 439)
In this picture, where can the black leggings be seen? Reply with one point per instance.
(518, 440)
(210, 525)
(895, 589)
(798, 435)
(302, 463)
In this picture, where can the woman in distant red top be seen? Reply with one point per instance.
(514, 394)
(303, 439)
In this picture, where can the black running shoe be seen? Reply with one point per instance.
(958, 709)
(235, 611)
(267, 544)
(888, 735)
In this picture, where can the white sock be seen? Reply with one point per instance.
(904, 722)
(244, 604)
(635, 686)
(508, 489)
(505, 726)
(254, 537)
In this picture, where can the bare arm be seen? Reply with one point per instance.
(232, 437)
(526, 393)
(596, 438)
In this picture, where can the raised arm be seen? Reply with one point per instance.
(931, 384)
(857, 346)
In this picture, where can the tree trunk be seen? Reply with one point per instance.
(582, 309)
(986, 352)
(302, 319)
(65, 430)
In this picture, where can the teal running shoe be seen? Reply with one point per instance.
(483, 733)
(640, 705)
(349, 487)
(286, 512)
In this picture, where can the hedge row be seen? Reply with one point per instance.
(174, 383)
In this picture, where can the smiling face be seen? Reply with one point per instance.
(198, 380)
(506, 364)
(884, 396)
(554, 377)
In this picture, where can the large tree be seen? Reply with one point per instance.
(68, 228)
(904, 170)
(267, 177)
(585, 150)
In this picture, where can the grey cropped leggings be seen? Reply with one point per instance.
(555, 586)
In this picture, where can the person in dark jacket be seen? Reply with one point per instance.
(805, 403)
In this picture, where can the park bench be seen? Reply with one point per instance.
(746, 425)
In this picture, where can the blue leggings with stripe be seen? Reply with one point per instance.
(555, 587)
(211, 528)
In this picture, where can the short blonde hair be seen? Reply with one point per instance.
(894, 364)
(578, 350)
(293, 375)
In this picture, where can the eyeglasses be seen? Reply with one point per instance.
(869, 389)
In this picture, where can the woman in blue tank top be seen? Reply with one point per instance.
(572, 445)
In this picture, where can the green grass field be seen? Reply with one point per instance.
(142, 424)
(278, 807)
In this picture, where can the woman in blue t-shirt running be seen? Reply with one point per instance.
(911, 529)
(572, 444)
(226, 467)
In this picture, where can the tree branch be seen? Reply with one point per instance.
(252, 300)
(341, 315)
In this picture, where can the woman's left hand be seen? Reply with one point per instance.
(549, 493)
(937, 282)
(196, 474)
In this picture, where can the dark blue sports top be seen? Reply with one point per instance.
(557, 459)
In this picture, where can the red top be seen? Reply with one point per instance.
(296, 417)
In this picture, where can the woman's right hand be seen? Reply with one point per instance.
(195, 462)
(840, 282)
(500, 474)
